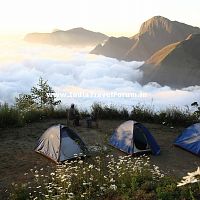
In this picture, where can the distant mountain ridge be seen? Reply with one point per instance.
(76, 37)
(176, 65)
(153, 35)
(114, 47)
(170, 49)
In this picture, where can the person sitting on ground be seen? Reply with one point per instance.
(92, 118)
(73, 115)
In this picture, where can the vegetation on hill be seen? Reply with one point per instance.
(41, 104)
(14, 117)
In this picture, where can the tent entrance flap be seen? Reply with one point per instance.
(132, 137)
(140, 140)
(65, 151)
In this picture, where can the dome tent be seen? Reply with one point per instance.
(132, 137)
(189, 139)
(60, 143)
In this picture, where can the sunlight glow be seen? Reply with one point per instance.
(121, 17)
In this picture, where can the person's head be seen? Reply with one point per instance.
(72, 105)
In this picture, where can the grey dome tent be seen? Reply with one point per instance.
(132, 137)
(60, 143)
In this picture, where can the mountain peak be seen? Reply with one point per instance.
(155, 23)
(154, 34)
(158, 17)
(78, 29)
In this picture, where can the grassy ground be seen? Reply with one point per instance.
(18, 157)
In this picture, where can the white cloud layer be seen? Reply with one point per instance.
(75, 72)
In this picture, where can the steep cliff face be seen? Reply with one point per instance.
(156, 33)
(177, 65)
(153, 35)
(114, 47)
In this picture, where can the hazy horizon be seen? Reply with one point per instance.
(114, 18)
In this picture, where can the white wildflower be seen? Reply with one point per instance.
(113, 187)
(91, 166)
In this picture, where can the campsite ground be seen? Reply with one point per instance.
(17, 156)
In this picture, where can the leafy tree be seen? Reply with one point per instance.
(25, 102)
(41, 97)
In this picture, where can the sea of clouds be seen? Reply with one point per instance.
(81, 78)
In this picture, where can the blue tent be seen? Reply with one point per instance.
(132, 137)
(189, 139)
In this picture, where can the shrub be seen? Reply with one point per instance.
(10, 117)
(167, 189)
(34, 116)
(177, 116)
(21, 192)
(142, 113)
(13, 116)
(109, 112)
(58, 113)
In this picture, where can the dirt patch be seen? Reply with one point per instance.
(17, 144)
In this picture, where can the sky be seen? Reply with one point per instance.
(112, 17)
